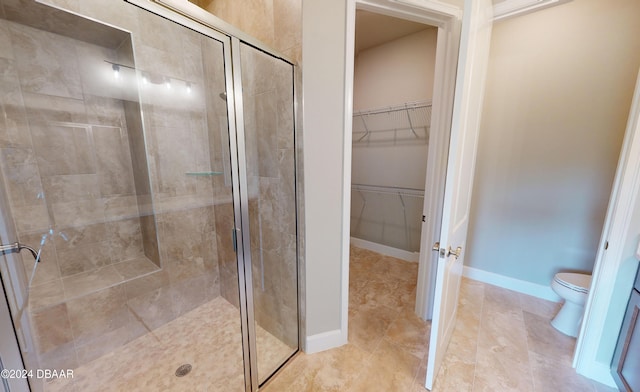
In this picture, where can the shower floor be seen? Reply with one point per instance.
(208, 338)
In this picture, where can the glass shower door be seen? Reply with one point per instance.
(117, 154)
(269, 147)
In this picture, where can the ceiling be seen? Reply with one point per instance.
(376, 29)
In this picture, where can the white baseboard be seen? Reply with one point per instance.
(600, 372)
(325, 341)
(386, 250)
(521, 286)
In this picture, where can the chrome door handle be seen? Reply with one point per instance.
(456, 252)
(436, 246)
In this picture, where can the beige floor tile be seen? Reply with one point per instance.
(455, 375)
(502, 300)
(502, 356)
(369, 326)
(390, 369)
(410, 332)
(545, 340)
(60, 386)
(357, 294)
(472, 293)
(539, 306)
(552, 375)
(377, 292)
(500, 372)
(397, 269)
(332, 370)
(469, 314)
(603, 388)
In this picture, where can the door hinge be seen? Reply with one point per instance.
(424, 218)
(606, 245)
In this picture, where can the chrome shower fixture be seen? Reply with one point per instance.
(16, 247)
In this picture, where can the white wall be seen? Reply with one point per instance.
(559, 88)
(323, 57)
(387, 75)
(396, 72)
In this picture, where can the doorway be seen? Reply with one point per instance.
(436, 116)
(392, 106)
(452, 141)
(393, 85)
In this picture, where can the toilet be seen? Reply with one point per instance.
(574, 289)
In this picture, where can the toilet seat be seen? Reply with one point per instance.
(574, 281)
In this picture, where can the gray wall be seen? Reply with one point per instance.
(559, 88)
(323, 57)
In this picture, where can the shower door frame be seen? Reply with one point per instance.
(196, 19)
(193, 17)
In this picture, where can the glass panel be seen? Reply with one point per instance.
(270, 153)
(133, 214)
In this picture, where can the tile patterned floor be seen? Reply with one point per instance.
(208, 337)
(502, 341)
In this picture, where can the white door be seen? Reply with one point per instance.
(613, 271)
(472, 65)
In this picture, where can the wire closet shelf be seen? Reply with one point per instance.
(387, 215)
(403, 124)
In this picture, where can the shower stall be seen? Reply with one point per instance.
(150, 161)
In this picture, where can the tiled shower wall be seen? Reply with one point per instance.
(83, 302)
(278, 23)
(67, 165)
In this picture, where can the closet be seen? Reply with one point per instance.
(393, 83)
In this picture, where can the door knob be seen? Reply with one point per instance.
(456, 252)
(436, 246)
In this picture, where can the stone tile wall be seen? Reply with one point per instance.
(277, 23)
(75, 134)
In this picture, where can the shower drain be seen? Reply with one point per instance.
(183, 370)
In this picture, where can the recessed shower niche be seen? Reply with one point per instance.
(73, 155)
(155, 168)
